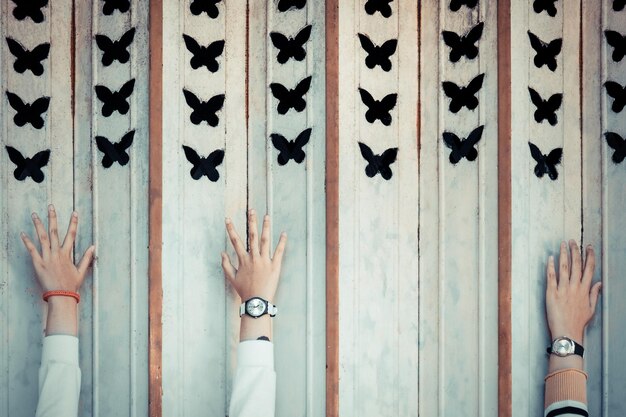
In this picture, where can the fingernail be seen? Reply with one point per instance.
(22, 234)
(50, 207)
(251, 212)
(34, 216)
(284, 234)
(75, 214)
(227, 220)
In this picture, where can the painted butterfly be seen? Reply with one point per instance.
(546, 164)
(463, 45)
(618, 42)
(378, 163)
(547, 5)
(455, 5)
(291, 99)
(28, 167)
(115, 152)
(618, 144)
(284, 5)
(27, 112)
(29, 8)
(381, 6)
(28, 60)
(378, 55)
(204, 55)
(463, 148)
(463, 96)
(115, 101)
(111, 6)
(209, 7)
(291, 149)
(115, 50)
(378, 109)
(546, 53)
(204, 110)
(291, 47)
(618, 5)
(204, 166)
(546, 109)
(618, 93)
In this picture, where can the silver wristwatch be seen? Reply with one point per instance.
(564, 346)
(256, 307)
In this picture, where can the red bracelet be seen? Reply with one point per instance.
(62, 293)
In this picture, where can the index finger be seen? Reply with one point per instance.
(590, 264)
(563, 267)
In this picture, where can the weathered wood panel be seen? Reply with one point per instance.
(200, 320)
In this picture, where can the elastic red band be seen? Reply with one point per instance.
(61, 293)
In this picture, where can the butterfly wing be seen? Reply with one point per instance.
(618, 42)
(284, 5)
(216, 48)
(106, 97)
(475, 85)
(371, 169)
(214, 160)
(617, 92)
(298, 154)
(127, 88)
(551, 161)
(16, 157)
(535, 97)
(215, 104)
(281, 42)
(281, 93)
(385, 160)
(282, 145)
(472, 140)
(367, 98)
(453, 142)
(386, 105)
(106, 147)
(38, 54)
(303, 36)
(535, 42)
(127, 38)
(366, 43)
(618, 144)
(123, 145)
(16, 102)
(192, 100)
(20, 54)
(554, 102)
(303, 86)
(193, 47)
(38, 107)
(193, 157)
(475, 33)
(540, 168)
(35, 164)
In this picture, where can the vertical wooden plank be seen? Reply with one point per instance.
(545, 211)
(198, 331)
(378, 218)
(22, 308)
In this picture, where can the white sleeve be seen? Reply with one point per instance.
(59, 377)
(254, 387)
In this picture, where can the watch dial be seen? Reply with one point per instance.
(562, 347)
(255, 307)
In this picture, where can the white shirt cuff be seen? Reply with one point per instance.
(256, 353)
(60, 348)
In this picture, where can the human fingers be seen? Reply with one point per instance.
(229, 270)
(30, 246)
(235, 240)
(563, 267)
(576, 267)
(280, 249)
(265, 237)
(253, 234)
(590, 264)
(70, 237)
(42, 235)
(84, 263)
(53, 230)
(551, 275)
(593, 296)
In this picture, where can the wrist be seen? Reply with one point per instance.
(576, 336)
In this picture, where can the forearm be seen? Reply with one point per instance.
(62, 316)
(252, 329)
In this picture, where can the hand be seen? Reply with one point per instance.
(571, 301)
(54, 266)
(257, 274)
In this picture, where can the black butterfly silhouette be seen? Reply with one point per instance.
(463, 45)
(455, 5)
(546, 164)
(618, 93)
(291, 99)
(378, 163)
(204, 55)
(618, 144)
(209, 7)
(378, 55)
(28, 60)
(291, 47)
(618, 5)
(204, 166)
(115, 50)
(29, 8)
(204, 110)
(381, 6)
(463, 96)
(115, 101)
(27, 112)
(284, 5)
(463, 148)
(115, 152)
(618, 42)
(546, 109)
(378, 109)
(291, 149)
(546, 53)
(28, 167)
(547, 5)
(111, 6)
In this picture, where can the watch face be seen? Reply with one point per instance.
(255, 307)
(563, 347)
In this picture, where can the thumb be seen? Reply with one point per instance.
(84, 263)
(229, 269)
(595, 292)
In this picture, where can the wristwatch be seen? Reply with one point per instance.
(255, 307)
(564, 346)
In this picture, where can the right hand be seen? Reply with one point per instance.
(570, 298)
(257, 274)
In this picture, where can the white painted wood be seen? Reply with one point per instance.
(544, 211)
(21, 309)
